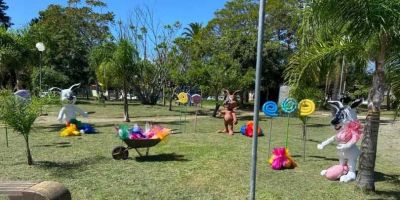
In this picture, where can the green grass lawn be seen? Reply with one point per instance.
(189, 165)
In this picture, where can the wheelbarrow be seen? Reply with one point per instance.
(121, 152)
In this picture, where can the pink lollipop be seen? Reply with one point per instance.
(196, 98)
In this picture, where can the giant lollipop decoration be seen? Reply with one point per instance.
(281, 158)
(289, 105)
(183, 98)
(196, 99)
(270, 109)
(306, 108)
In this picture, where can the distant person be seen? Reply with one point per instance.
(21, 91)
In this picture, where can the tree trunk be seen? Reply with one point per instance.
(126, 112)
(327, 84)
(170, 102)
(216, 105)
(336, 84)
(171, 98)
(243, 97)
(388, 106)
(365, 177)
(163, 95)
(28, 150)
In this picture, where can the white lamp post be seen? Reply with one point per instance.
(40, 47)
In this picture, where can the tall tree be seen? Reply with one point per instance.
(20, 114)
(126, 60)
(14, 55)
(68, 34)
(235, 28)
(5, 20)
(372, 28)
(193, 30)
(153, 42)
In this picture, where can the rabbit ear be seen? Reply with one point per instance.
(226, 92)
(337, 105)
(356, 103)
(55, 89)
(237, 91)
(75, 86)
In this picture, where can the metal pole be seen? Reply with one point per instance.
(40, 76)
(260, 42)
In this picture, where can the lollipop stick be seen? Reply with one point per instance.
(180, 118)
(304, 138)
(6, 136)
(287, 131)
(184, 122)
(270, 136)
(195, 119)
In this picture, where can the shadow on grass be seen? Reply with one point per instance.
(318, 125)
(109, 125)
(395, 178)
(55, 127)
(162, 157)
(249, 118)
(312, 140)
(388, 194)
(67, 169)
(325, 158)
(57, 144)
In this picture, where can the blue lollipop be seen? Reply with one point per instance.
(289, 105)
(270, 109)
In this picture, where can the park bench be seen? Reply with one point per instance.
(34, 190)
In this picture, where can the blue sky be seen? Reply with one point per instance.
(167, 11)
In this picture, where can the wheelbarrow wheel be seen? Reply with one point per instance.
(120, 152)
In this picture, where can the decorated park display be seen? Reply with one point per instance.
(69, 111)
(306, 108)
(348, 132)
(281, 158)
(247, 130)
(196, 100)
(270, 110)
(183, 98)
(136, 137)
(229, 112)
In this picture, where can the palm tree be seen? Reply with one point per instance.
(193, 30)
(392, 78)
(125, 59)
(5, 20)
(20, 114)
(323, 52)
(375, 25)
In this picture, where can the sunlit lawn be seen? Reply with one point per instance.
(189, 165)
